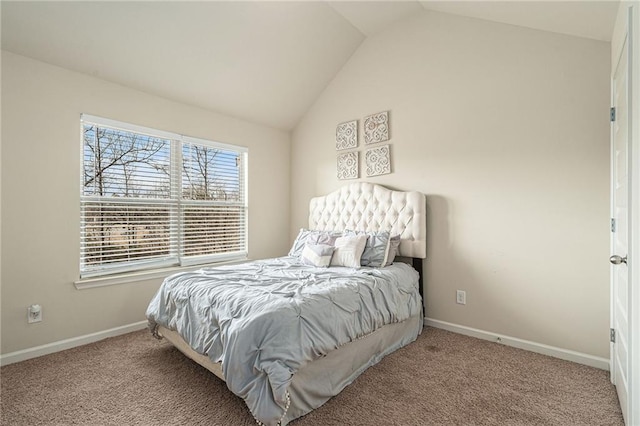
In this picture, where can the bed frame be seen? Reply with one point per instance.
(365, 206)
(360, 207)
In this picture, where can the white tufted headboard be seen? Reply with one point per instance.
(365, 206)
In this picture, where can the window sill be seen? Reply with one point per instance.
(129, 277)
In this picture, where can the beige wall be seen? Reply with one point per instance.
(506, 131)
(41, 107)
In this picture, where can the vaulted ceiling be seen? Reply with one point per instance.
(262, 61)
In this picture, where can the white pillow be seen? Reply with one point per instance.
(348, 251)
(317, 255)
(394, 244)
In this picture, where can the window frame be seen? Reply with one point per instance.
(174, 258)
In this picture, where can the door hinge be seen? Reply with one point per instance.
(612, 114)
(612, 335)
(613, 225)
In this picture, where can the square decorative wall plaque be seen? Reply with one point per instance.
(347, 135)
(376, 128)
(348, 165)
(378, 161)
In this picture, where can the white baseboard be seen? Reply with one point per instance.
(580, 358)
(590, 360)
(61, 345)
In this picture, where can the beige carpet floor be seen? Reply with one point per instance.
(441, 379)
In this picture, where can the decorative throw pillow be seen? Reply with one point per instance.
(348, 251)
(394, 244)
(306, 236)
(317, 255)
(376, 250)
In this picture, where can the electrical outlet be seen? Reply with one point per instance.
(34, 313)
(461, 297)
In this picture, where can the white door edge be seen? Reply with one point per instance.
(612, 360)
(634, 212)
(622, 210)
(632, 31)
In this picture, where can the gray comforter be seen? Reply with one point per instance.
(265, 320)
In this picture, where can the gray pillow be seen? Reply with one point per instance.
(376, 250)
(306, 236)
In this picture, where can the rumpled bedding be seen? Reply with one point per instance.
(266, 319)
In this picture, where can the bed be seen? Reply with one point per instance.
(287, 334)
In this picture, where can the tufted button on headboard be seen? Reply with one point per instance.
(365, 206)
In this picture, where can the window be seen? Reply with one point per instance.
(152, 199)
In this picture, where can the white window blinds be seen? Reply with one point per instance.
(213, 212)
(151, 199)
